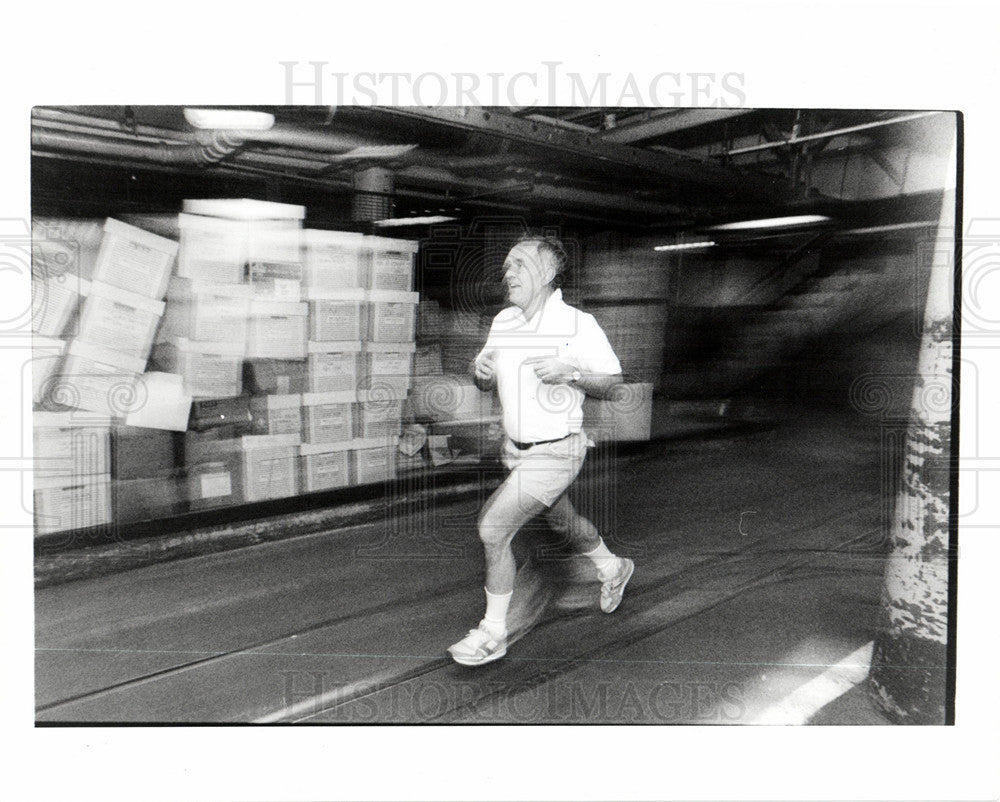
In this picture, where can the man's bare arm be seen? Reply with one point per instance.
(599, 385)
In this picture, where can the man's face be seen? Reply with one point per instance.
(526, 273)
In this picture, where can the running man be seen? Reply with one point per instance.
(542, 355)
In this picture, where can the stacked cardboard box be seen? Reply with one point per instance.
(389, 264)
(55, 301)
(334, 261)
(46, 359)
(145, 481)
(117, 322)
(277, 414)
(466, 333)
(450, 397)
(72, 470)
(387, 368)
(295, 346)
(236, 324)
(325, 466)
(360, 355)
(328, 417)
(101, 314)
(248, 468)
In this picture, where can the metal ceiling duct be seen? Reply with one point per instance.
(212, 142)
(207, 148)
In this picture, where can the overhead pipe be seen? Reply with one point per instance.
(207, 148)
(279, 134)
(795, 140)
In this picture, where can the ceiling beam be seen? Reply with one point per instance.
(730, 182)
(668, 123)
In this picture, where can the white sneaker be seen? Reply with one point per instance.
(478, 647)
(614, 588)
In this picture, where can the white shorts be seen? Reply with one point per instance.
(545, 471)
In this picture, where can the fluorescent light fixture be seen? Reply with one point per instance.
(685, 246)
(396, 222)
(772, 222)
(377, 152)
(229, 119)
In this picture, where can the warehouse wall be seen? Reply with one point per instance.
(722, 323)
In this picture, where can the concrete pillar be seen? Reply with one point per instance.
(907, 680)
(372, 194)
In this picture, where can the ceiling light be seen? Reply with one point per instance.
(229, 119)
(684, 246)
(771, 222)
(414, 221)
(377, 152)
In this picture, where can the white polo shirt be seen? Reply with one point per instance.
(533, 410)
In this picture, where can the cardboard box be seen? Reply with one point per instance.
(46, 361)
(328, 417)
(212, 249)
(206, 312)
(427, 360)
(143, 453)
(71, 444)
(480, 438)
(372, 465)
(337, 317)
(119, 320)
(381, 418)
(99, 380)
(277, 330)
(432, 321)
(245, 209)
(334, 367)
(210, 369)
(449, 397)
(149, 499)
(334, 260)
(216, 483)
(387, 366)
(275, 281)
(390, 263)
(222, 413)
(166, 404)
(61, 245)
(275, 376)
(219, 237)
(266, 465)
(325, 466)
(65, 503)
(277, 414)
(392, 316)
(135, 260)
(55, 302)
(624, 417)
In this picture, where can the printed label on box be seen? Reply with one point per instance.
(214, 485)
(133, 266)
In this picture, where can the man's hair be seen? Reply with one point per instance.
(553, 248)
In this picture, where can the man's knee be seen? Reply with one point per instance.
(493, 533)
(559, 521)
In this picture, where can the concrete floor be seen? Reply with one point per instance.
(758, 567)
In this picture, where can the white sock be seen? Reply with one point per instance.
(496, 612)
(604, 561)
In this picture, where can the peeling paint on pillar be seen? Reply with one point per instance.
(908, 674)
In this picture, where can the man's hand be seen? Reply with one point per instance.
(552, 371)
(484, 369)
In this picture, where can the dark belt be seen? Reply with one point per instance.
(525, 446)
